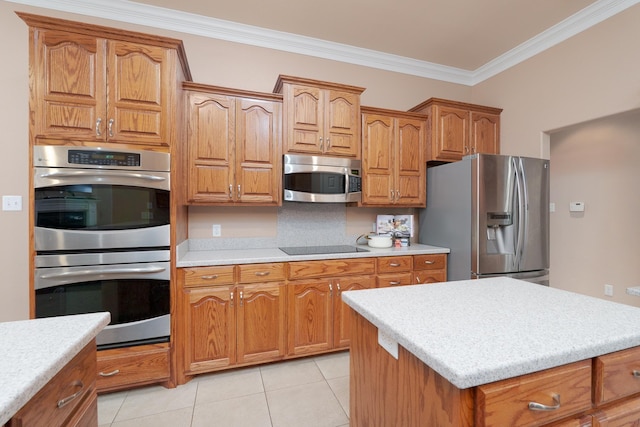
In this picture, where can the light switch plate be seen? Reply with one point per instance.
(11, 203)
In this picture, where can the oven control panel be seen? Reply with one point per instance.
(103, 158)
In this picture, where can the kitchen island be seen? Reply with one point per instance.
(34, 354)
(477, 352)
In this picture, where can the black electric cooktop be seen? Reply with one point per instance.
(315, 250)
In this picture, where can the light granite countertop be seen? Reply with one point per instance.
(34, 351)
(474, 332)
(255, 256)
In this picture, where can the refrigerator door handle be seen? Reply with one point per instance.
(522, 209)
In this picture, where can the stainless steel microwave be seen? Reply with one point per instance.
(320, 179)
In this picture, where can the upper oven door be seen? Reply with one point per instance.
(78, 209)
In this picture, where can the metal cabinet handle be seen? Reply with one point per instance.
(429, 262)
(397, 195)
(392, 195)
(534, 406)
(394, 283)
(209, 277)
(338, 286)
(98, 126)
(238, 193)
(330, 289)
(328, 143)
(636, 373)
(230, 191)
(109, 374)
(262, 273)
(418, 279)
(231, 299)
(67, 400)
(241, 296)
(394, 264)
(110, 127)
(321, 144)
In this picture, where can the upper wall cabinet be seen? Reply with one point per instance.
(393, 158)
(319, 117)
(235, 154)
(459, 129)
(97, 84)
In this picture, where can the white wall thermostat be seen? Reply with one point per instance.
(576, 206)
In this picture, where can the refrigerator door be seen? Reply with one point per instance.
(534, 252)
(496, 214)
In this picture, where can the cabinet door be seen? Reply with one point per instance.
(378, 159)
(68, 93)
(622, 415)
(485, 133)
(304, 118)
(258, 149)
(210, 326)
(410, 163)
(211, 154)
(139, 85)
(341, 315)
(309, 317)
(341, 118)
(261, 322)
(451, 136)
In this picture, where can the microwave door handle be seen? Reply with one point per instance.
(103, 270)
(346, 182)
(94, 174)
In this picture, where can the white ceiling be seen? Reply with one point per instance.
(460, 41)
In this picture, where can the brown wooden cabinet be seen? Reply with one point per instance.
(320, 117)
(429, 268)
(235, 149)
(316, 314)
(132, 366)
(98, 84)
(458, 129)
(393, 158)
(240, 322)
(394, 271)
(68, 399)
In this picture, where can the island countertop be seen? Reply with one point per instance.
(475, 332)
(33, 351)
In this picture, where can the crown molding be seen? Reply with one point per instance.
(189, 23)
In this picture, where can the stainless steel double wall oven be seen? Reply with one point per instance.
(102, 236)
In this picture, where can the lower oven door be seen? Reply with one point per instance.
(136, 294)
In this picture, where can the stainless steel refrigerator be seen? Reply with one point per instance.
(492, 211)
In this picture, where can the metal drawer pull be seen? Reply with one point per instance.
(67, 400)
(110, 127)
(109, 374)
(98, 124)
(241, 297)
(636, 373)
(429, 262)
(534, 406)
(394, 264)
(394, 283)
(209, 277)
(262, 273)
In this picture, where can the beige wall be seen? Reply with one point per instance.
(592, 75)
(597, 163)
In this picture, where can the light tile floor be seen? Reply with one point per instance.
(303, 392)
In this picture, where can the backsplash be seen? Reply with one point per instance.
(298, 224)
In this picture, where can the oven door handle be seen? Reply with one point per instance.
(98, 175)
(104, 270)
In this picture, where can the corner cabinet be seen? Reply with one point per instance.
(393, 158)
(234, 140)
(320, 117)
(458, 129)
(98, 84)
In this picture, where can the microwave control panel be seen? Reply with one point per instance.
(103, 158)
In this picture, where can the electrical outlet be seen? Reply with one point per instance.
(216, 230)
(608, 290)
(11, 203)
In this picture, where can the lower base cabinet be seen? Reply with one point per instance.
(132, 366)
(68, 399)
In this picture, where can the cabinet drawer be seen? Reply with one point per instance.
(506, 403)
(127, 366)
(207, 276)
(331, 268)
(386, 280)
(614, 376)
(430, 262)
(60, 397)
(392, 264)
(427, 276)
(256, 273)
(625, 414)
